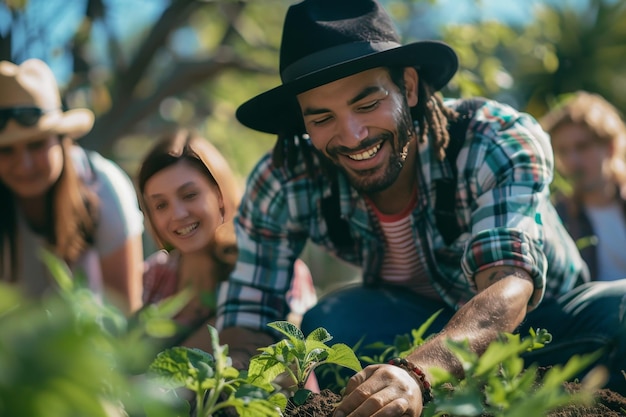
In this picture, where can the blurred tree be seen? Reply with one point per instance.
(563, 49)
(198, 59)
(173, 72)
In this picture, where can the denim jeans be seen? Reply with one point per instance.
(588, 318)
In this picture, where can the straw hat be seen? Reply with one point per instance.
(33, 85)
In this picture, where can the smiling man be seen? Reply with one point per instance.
(444, 204)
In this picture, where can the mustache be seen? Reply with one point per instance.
(363, 145)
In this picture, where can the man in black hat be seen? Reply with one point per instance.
(443, 203)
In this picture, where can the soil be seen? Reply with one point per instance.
(320, 404)
(607, 404)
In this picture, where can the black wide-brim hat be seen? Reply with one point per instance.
(325, 40)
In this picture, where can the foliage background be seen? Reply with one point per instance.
(146, 65)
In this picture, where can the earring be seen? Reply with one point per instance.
(405, 152)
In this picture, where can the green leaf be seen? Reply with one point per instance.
(320, 335)
(263, 370)
(184, 367)
(160, 327)
(58, 269)
(496, 353)
(301, 396)
(574, 365)
(463, 353)
(343, 355)
(166, 308)
(465, 402)
(418, 335)
(290, 330)
(316, 355)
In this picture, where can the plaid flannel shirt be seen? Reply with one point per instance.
(502, 204)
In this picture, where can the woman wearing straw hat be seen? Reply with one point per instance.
(444, 204)
(57, 196)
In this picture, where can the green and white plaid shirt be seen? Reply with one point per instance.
(502, 204)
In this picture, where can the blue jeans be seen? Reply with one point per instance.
(588, 318)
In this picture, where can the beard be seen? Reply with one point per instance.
(373, 181)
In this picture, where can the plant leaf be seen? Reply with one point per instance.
(301, 396)
(183, 367)
(320, 335)
(288, 329)
(343, 355)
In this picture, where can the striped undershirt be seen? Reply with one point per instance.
(404, 263)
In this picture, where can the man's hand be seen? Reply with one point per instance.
(381, 391)
(387, 390)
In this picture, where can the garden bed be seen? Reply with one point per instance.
(606, 403)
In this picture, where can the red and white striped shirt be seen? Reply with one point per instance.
(404, 263)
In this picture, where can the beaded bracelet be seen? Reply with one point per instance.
(418, 375)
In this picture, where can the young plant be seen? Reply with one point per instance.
(298, 356)
(377, 352)
(497, 384)
(214, 382)
(402, 346)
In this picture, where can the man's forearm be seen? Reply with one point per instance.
(499, 308)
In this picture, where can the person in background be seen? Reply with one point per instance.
(589, 140)
(189, 195)
(444, 203)
(58, 196)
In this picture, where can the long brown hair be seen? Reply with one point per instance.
(71, 211)
(187, 145)
(601, 118)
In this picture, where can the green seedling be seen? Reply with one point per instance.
(298, 356)
(497, 384)
(213, 380)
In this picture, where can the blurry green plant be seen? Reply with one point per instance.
(70, 354)
(215, 384)
(496, 383)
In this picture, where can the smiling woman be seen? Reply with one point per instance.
(190, 196)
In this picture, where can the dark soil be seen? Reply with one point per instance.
(320, 404)
(607, 404)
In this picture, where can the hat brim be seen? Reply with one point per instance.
(74, 123)
(436, 63)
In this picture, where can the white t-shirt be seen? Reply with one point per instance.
(119, 219)
(609, 226)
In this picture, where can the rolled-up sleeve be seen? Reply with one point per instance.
(510, 185)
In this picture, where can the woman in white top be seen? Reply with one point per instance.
(589, 140)
(55, 195)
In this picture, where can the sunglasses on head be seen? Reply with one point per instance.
(25, 116)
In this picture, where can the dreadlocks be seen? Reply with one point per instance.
(431, 115)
